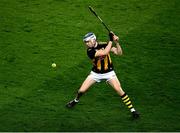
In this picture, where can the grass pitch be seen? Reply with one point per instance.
(36, 33)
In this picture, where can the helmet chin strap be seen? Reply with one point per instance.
(95, 44)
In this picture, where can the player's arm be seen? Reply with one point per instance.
(104, 51)
(116, 50)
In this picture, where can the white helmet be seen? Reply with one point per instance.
(89, 36)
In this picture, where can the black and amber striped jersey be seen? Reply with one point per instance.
(101, 64)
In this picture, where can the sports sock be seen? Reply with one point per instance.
(125, 98)
(79, 94)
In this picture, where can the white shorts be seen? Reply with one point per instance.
(105, 76)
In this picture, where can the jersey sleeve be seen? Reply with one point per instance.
(102, 44)
(91, 53)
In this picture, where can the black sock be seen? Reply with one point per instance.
(79, 94)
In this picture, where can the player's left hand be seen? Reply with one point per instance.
(111, 34)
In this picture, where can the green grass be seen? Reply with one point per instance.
(35, 33)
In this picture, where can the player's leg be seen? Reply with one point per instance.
(84, 87)
(114, 82)
(89, 81)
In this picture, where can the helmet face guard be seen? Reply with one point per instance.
(89, 36)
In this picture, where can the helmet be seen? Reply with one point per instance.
(89, 36)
